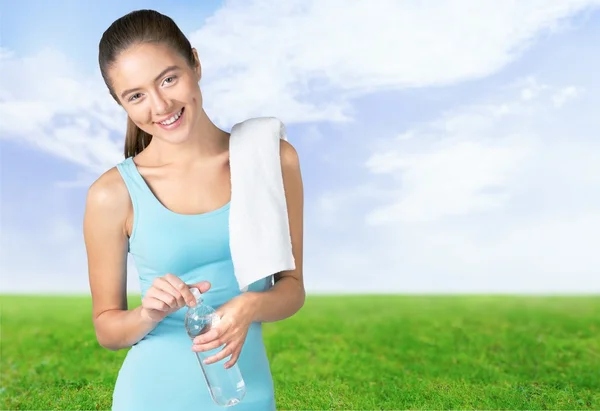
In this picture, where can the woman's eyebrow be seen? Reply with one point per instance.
(162, 73)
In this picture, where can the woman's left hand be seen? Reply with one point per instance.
(236, 316)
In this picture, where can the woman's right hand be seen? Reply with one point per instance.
(167, 295)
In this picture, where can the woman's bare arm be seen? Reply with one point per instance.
(107, 208)
(287, 296)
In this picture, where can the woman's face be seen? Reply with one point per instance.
(158, 90)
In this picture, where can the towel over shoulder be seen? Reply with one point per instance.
(259, 230)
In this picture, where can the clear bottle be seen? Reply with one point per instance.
(226, 386)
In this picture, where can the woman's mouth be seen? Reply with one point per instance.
(173, 122)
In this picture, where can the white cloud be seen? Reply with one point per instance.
(53, 260)
(301, 60)
(532, 88)
(48, 104)
(564, 95)
(455, 178)
(490, 197)
(487, 197)
(547, 254)
(468, 168)
(471, 160)
(305, 60)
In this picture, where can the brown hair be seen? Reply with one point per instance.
(141, 26)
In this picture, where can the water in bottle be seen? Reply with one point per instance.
(226, 386)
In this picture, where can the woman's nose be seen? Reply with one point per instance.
(160, 105)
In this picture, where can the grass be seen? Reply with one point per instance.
(351, 352)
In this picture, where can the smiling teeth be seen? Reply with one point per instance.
(172, 119)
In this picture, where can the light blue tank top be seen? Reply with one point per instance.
(161, 372)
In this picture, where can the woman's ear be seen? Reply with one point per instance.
(197, 66)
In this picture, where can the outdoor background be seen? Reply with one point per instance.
(449, 151)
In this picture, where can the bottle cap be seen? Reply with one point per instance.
(196, 293)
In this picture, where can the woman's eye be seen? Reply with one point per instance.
(134, 97)
(170, 79)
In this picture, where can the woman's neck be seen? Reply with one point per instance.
(206, 141)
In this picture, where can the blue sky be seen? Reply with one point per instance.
(444, 149)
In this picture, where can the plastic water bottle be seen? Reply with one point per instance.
(226, 386)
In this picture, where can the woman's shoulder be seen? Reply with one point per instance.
(109, 192)
(289, 155)
(262, 132)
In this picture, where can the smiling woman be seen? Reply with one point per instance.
(154, 101)
(167, 204)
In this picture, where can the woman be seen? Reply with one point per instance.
(167, 204)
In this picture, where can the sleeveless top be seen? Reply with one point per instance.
(161, 372)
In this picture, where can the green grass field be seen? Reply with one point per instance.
(358, 352)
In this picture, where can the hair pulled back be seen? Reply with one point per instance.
(139, 27)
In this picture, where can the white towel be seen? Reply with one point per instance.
(259, 231)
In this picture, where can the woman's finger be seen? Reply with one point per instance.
(164, 285)
(217, 332)
(233, 359)
(212, 344)
(181, 287)
(228, 350)
(163, 296)
(202, 286)
(151, 303)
